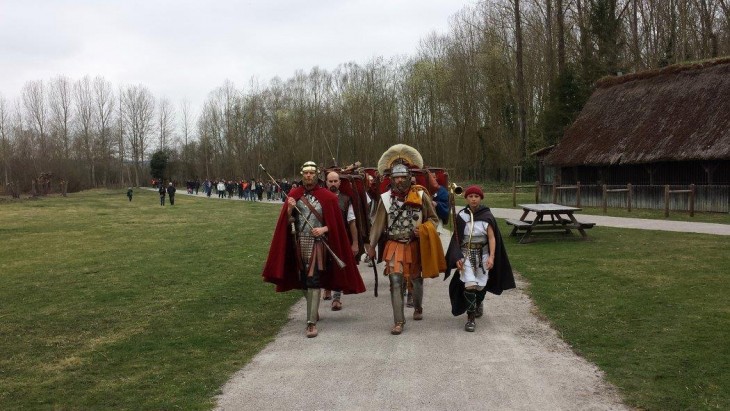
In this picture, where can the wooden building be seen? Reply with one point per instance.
(663, 127)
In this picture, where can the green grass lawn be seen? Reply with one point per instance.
(112, 304)
(650, 308)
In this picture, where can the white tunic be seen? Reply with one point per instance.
(471, 275)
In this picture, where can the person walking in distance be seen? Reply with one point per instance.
(171, 193)
(161, 191)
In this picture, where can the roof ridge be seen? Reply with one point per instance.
(610, 81)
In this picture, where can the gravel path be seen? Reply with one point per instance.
(515, 361)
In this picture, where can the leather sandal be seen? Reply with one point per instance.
(327, 295)
(397, 329)
(336, 305)
(418, 314)
(311, 330)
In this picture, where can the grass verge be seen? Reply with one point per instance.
(649, 308)
(108, 303)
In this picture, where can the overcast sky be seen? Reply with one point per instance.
(185, 49)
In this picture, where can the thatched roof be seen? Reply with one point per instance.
(678, 113)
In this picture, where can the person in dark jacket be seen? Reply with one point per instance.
(130, 192)
(161, 190)
(476, 250)
(171, 193)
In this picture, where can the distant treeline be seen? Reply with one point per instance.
(506, 79)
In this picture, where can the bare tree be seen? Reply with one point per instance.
(185, 121)
(84, 94)
(121, 152)
(103, 111)
(5, 138)
(165, 122)
(139, 112)
(60, 100)
(34, 101)
(522, 111)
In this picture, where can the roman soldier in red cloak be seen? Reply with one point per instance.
(310, 249)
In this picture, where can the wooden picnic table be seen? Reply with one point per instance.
(549, 218)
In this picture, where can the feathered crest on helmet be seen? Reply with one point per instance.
(399, 153)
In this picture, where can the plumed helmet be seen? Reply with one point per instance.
(398, 159)
(400, 170)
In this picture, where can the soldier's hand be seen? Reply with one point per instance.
(370, 251)
(290, 203)
(460, 265)
(354, 248)
(319, 231)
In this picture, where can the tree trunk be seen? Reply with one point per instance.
(522, 114)
(549, 55)
(561, 35)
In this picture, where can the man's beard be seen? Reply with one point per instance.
(334, 189)
(403, 186)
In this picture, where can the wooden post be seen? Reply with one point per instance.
(666, 201)
(555, 193)
(577, 194)
(629, 194)
(537, 192)
(514, 193)
(691, 200)
(605, 199)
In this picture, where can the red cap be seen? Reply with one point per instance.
(474, 190)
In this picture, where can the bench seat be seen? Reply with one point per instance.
(518, 223)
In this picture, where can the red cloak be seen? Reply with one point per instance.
(281, 266)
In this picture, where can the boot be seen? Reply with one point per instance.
(336, 300)
(418, 299)
(396, 300)
(418, 314)
(470, 325)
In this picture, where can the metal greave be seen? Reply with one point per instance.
(417, 292)
(313, 296)
(396, 298)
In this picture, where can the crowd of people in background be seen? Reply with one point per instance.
(249, 190)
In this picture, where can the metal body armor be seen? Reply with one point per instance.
(302, 227)
(402, 219)
(304, 230)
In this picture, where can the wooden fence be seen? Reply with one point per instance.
(535, 188)
(714, 198)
